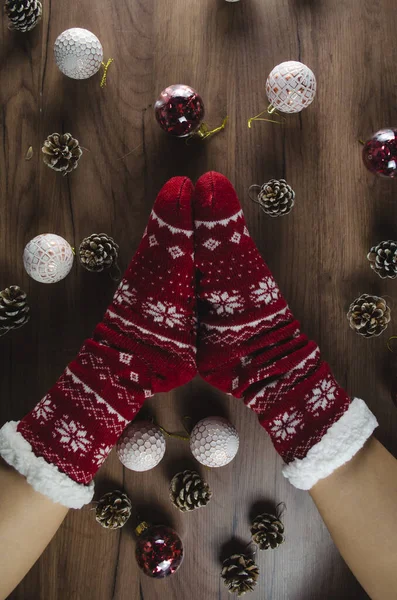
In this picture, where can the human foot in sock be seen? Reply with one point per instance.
(251, 346)
(145, 344)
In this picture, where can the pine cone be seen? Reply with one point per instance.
(369, 315)
(240, 574)
(267, 531)
(276, 198)
(188, 491)
(14, 311)
(24, 15)
(383, 259)
(113, 510)
(98, 252)
(61, 152)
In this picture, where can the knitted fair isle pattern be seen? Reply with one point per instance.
(145, 344)
(249, 343)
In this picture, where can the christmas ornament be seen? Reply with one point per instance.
(179, 111)
(240, 574)
(78, 53)
(214, 442)
(383, 259)
(113, 510)
(369, 315)
(276, 198)
(380, 153)
(98, 252)
(267, 531)
(14, 311)
(159, 550)
(61, 152)
(48, 258)
(189, 491)
(24, 15)
(141, 446)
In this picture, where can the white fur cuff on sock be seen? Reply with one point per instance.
(341, 442)
(41, 475)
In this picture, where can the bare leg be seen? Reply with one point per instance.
(28, 521)
(358, 503)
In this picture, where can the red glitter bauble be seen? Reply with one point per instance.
(380, 153)
(179, 110)
(159, 550)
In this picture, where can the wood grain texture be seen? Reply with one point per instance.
(317, 253)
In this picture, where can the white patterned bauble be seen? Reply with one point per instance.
(78, 53)
(48, 258)
(214, 442)
(291, 87)
(141, 446)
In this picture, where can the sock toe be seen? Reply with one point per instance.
(173, 203)
(215, 198)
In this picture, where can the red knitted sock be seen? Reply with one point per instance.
(145, 344)
(249, 343)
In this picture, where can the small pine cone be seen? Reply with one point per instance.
(189, 491)
(98, 252)
(61, 152)
(267, 531)
(369, 315)
(113, 510)
(276, 198)
(383, 259)
(14, 311)
(24, 15)
(240, 574)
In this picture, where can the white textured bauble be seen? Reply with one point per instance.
(291, 87)
(78, 53)
(48, 258)
(141, 446)
(214, 442)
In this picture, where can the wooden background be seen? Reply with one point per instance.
(317, 253)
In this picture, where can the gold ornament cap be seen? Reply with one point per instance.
(141, 528)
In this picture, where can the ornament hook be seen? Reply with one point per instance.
(204, 132)
(105, 72)
(270, 110)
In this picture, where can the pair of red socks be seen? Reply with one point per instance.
(197, 281)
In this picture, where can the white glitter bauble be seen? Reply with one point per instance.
(48, 258)
(291, 87)
(78, 53)
(141, 446)
(214, 442)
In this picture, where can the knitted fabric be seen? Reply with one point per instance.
(249, 343)
(145, 344)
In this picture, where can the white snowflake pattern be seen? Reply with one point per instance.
(285, 426)
(43, 410)
(72, 435)
(225, 303)
(211, 244)
(164, 312)
(321, 396)
(101, 455)
(125, 294)
(267, 291)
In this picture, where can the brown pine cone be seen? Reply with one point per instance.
(14, 311)
(240, 574)
(369, 315)
(383, 259)
(24, 15)
(276, 198)
(267, 531)
(98, 252)
(61, 152)
(188, 491)
(113, 510)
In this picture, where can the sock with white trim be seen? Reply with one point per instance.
(251, 346)
(145, 344)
